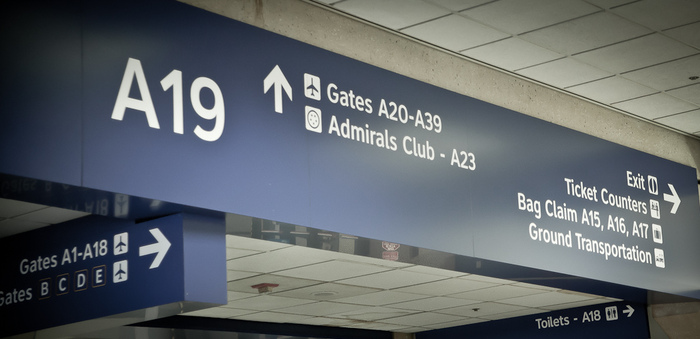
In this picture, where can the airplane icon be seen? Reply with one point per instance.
(311, 86)
(120, 271)
(121, 243)
(313, 90)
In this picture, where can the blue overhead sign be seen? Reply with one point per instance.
(604, 321)
(95, 267)
(188, 107)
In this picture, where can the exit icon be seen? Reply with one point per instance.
(653, 185)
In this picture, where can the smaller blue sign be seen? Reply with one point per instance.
(95, 267)
(613, 320)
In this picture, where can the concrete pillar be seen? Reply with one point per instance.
(678, 320)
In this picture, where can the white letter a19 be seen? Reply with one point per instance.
(134, 69)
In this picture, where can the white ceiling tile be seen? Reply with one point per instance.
(321, 308)
(218, 312)
(689, 34)
(455, 33)
(636, 53)
(464, 321)
(497, 293)
(237, 275)
(459, 5)
(391, 279)
(688, 122)
(273, 317)
(610, 3)
(434, 271)
(232, 253)
(660, 15)
(328, 2)
(245, 243)
(611, 90)
(381, 298)
(655, 106)
(519, 16)
(433, 303)
(233, 295)
(512, 54)
(375, 261)
(326, 321)
(373, 313)
(482, 309)
(379, 326)
(586, 33)
(327, 291)
(422, 319)
(688, 93)
(669, 75)
(277, 260)
(13, 208)
(52, 215)
(444, 287)
(545, 299)
(333, 270)
(513, 314)
(536, 287)
(416, 329)
(394, 14)
(564, 73)
(266, 302)
(285, 283)
(483, 278)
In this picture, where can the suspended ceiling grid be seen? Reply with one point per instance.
(639, 57)
(320, 287)
(326, 288)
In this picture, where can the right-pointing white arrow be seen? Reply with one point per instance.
(673, 198)
(160, 248)
(629, 311)
(276, 78)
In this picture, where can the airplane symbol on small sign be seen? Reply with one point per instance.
(121, 271)
(311, 86)
(121, 243)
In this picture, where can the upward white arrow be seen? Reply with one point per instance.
(160, 248)
(673, 198)
(276, 78)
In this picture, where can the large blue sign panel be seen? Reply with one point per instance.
(189, 107)
(40, 109)
(614, 320)
(94, 267)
